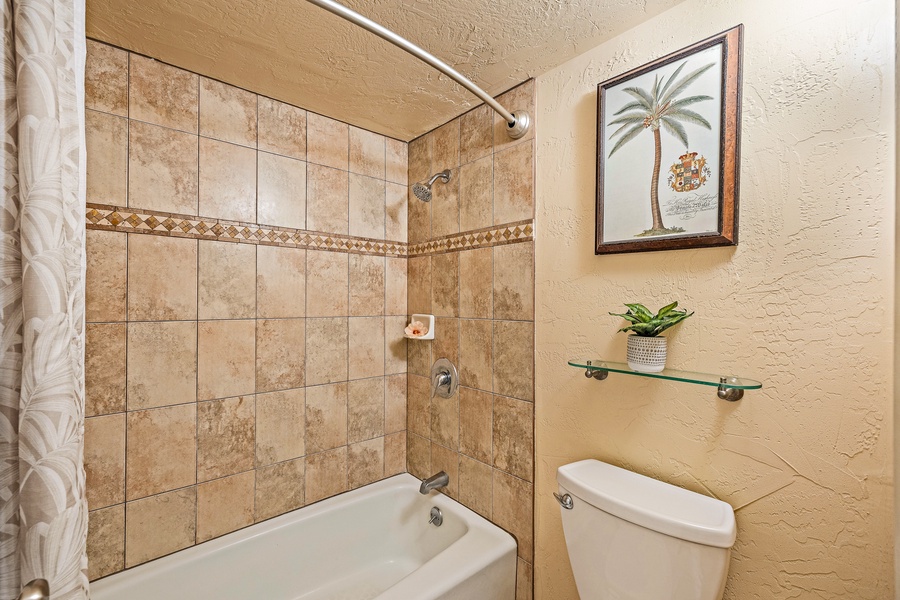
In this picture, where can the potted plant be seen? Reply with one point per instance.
(646, 349)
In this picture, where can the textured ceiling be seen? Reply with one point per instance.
(298, 53)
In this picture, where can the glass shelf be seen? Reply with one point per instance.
(729, 387)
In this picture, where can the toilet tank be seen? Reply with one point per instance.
(630, 537)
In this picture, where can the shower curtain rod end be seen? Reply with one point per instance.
(520, 126)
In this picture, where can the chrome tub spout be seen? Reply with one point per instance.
(435, 481)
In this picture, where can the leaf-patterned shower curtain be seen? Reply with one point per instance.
(43, 510)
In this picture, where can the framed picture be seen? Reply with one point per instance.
(668, 140)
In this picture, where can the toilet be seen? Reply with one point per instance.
(631, 537)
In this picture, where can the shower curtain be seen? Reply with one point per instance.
(43, 510)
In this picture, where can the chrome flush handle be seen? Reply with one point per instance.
(565, 501)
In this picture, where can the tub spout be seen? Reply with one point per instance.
(435, 481)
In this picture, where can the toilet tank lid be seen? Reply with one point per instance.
(650, 503)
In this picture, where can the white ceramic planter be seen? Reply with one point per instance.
(646, 354)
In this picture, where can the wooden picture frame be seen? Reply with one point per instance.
(690, 101)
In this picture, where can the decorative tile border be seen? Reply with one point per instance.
(132, 220)
(498, 235)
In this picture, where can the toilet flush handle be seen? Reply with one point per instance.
(565, 501)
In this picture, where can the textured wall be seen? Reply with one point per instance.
(472, 266)
(238, 366)
(804, 303)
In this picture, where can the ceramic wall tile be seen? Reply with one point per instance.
(395, 403)
(106, 139)
(161, 453)
(395, 454)
(227, 113)
(280, 354)
(476, 354)
(225, 505)
(280, 282)
(163, 172)
(396, 222)
(520, 98)
(366, 347)
(105, 283)
(476, 194)
(167, 349)
(162, 94)
(162, 278)
(226, 281)
(367, 153)
(476, 486)
(160, 525)
(367, 206)
(326, 350)
(513, 439)
(446, 146)
(106, 541)
(446, 460)
(227, 181)
(514, 281)
(418, 456)
(327, 142)
(365, 409)
(397, 161)
(104, 460)
(365, 462)
(326, 417)
(476, 135)
(226, 431)
(226, 359)
(418, 219)
(327, 282)
(280, 426)
(327, 199)
(280, 488)
(281, 191)
(514, 184)
(420, 152)
(445, 421)
(512, 509)
(395, 345)
(514, 359)
(419, 277)
(395, 298)
(282, 128)
(446, 339)
(445, 284)
(476, 270)
(476, 424)
(419, 407)
(326, 474)
(367, 285)
(445, 206)
(524, 580)
(106, 79)
(104, 368)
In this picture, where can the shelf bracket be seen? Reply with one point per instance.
(597, 374)
(728, 393)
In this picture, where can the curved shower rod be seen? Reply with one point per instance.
(517, 122)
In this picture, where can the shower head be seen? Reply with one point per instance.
(423, 190)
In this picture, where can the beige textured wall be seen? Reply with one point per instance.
(804, 303)
(231, 376)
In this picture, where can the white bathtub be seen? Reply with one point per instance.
(371, 543)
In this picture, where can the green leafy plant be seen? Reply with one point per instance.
(645, 323)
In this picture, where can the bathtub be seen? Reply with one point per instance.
(372, 543)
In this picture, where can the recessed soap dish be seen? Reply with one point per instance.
(428, 320)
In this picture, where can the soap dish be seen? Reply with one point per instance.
(428, 320)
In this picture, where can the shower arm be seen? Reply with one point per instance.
(517, 122)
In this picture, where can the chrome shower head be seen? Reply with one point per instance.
(422, 191)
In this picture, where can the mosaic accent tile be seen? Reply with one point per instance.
(106, 217)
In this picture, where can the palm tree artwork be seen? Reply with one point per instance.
(660, 107)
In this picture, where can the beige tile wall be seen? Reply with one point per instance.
(483, 301)
(229, 383)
